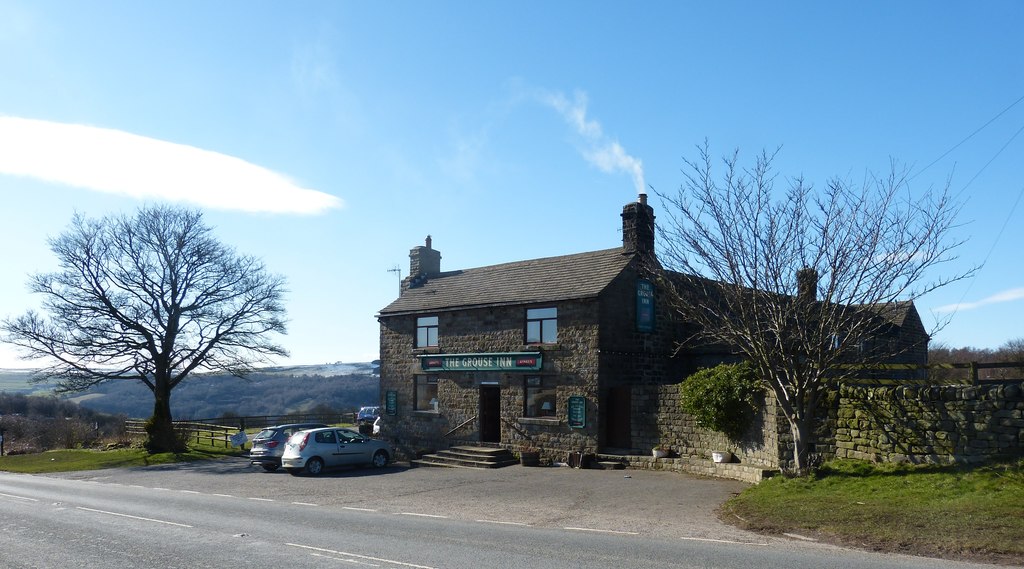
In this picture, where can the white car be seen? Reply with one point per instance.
(316, 449)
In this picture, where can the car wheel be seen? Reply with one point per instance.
(270, 467)
(380, 459)
(314, 466)
(294, 471)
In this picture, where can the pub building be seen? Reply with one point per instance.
(559, 354)
(545, 353)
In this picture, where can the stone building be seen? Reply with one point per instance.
(569, 353)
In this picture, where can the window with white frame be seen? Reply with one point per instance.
(426, 332)
(542, 325)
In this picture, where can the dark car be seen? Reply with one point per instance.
(367, 415)
(268, 444)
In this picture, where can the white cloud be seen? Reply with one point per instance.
(601, 151)
(117, 162)
(1005, 296)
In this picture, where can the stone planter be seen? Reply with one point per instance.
(529, 458)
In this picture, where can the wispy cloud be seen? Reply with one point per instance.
(117, 162)
(599, 149)
(1004, 296)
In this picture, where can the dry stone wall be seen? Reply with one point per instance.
(930, 424)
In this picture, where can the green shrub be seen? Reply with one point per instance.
(723, 398)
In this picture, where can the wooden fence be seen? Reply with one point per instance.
(972, 373)
(213, 435)
(217, 432)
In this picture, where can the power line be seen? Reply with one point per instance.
(969, 136)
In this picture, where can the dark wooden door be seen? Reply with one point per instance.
(490, 414)
(618, 418)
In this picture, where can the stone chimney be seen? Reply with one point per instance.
(807, 285)
(424, 262)
(638, 227)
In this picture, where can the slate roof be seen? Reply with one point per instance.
(582, 275)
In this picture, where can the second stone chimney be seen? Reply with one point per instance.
(638, 227)
(424, 262)
(807, 285)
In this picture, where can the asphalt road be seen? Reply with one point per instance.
(227, 514)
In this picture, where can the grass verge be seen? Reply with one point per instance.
(80, 459)
(953, 512)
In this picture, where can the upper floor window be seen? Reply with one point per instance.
(542, 325)
(426, 332)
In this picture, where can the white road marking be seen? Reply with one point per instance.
(305, 504)
(357, 556)
(19, 497)
(190, 492)
(503, 523)
(421, 515)
(724, 541)
(223, 495)
(343, 560)
(261, 499)
(603, 531)
(134, 517)
(358, 509)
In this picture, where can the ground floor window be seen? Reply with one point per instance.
(539, 398)
(426, 393)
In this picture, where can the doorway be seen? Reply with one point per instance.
(490, 414)
(618, 422)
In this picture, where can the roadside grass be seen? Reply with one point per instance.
(89, 459)
(85, 459)
(945, 511)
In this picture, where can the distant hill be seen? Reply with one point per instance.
(269, 391)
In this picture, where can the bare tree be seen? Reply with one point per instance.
(151, 298)
(799, 282)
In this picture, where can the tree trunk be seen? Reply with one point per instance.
(160, 429)
(800, 427)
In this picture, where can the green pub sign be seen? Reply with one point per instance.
(509, 361)
(577, 412)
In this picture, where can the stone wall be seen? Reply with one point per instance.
(669, 425)
(930, 424)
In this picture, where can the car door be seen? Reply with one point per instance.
(327, 447)
(353, 447)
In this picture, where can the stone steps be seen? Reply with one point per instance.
(469, 457)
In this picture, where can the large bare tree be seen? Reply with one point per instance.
(152, 297)
(798, 281)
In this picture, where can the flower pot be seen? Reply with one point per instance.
(721, 456)
(659, 453)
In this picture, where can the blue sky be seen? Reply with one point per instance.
(329, 138)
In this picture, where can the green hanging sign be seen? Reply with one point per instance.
(391, 403)
(644, 306)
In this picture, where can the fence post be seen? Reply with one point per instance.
(974, 373)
